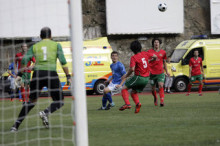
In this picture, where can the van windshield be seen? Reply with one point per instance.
(177, 55)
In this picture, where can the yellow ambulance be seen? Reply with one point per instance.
(97, 60)
(209, 51)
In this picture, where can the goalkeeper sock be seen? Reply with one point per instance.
(125, 96)
(53, 107)
(135, 98)
(104, 100)
(200, 88)
(24, 111)
(109, 97)
(161, 92)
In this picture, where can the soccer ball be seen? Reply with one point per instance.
(162, 7)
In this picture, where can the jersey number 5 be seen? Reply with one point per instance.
(44, 53)
(144, 62)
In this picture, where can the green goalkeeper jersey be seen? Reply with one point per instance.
(46, 53)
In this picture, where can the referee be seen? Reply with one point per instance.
(46, 53)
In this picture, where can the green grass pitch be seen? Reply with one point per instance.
(185, 120)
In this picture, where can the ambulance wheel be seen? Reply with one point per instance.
(180, 84)
(99, 87)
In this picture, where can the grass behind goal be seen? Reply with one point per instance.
(192, 120)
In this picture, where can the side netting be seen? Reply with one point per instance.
(25, 118)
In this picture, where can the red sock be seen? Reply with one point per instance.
(200, 88)
(23, 93)
(125, 96)
(154, 93)
(161, 92)
(135, 98)
(189, 88)
(28, 94)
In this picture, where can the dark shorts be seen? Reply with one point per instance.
(47, 79)
(137, 83)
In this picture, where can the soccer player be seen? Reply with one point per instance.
(157, 67)
(118, 70)
(138, 65)
(46, 53)
(195, 72)
(169, 79)
(26, 76)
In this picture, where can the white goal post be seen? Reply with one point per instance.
(78, 90)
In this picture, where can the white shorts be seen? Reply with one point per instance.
(114, 90)
(12, 83)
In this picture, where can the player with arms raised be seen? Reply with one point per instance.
(195, 72)
(138, 65)
(157, 70)
(26, 76)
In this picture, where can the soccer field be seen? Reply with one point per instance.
(185, 120)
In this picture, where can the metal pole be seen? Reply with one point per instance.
(76, 33)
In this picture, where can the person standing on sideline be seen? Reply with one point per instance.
(118, 71)
(195, 72)
(139, 65)
(46, 53)
(169, 79)
(157, 67)
(26, 76)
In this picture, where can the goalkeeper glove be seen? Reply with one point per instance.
(68, 77)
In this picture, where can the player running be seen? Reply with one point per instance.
(46, 53)
(118, 70)
(157, 67)
(26, 76)
(138, 65)
(195, 72)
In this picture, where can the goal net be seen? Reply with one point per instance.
(48, 122)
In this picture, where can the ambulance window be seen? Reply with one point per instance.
(191, 54)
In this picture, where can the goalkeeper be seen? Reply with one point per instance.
(46, 53)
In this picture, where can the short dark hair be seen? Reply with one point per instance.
(45, 33)
(160, 41)
(23, 44)
(135, 47)
(114, 52)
